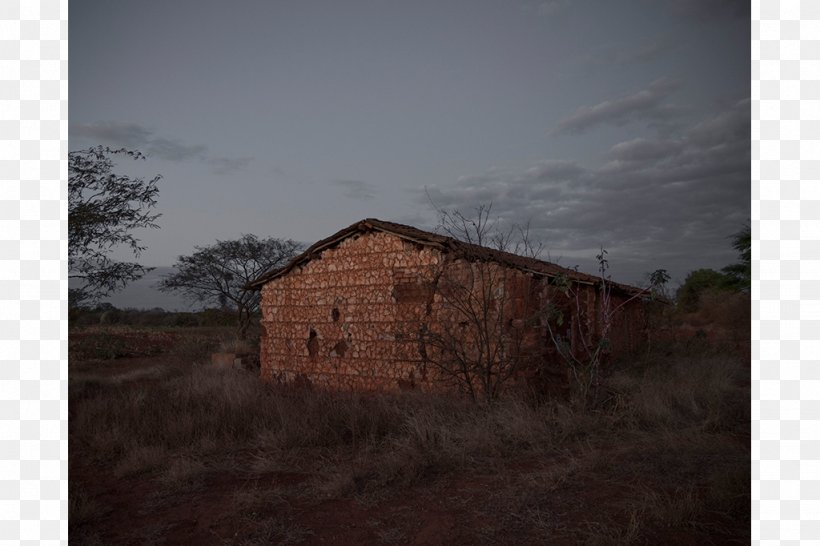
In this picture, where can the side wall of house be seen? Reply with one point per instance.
(629, 329)
(482, 329)
(333, 322)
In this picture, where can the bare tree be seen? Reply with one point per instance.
(476, 338)
(482, 229)
(473, 334)
(218, 273)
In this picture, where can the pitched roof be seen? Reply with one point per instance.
(467, 251)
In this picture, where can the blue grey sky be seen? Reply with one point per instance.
(616, 123)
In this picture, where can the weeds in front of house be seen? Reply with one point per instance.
(668, 444)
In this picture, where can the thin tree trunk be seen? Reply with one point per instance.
(242, 324)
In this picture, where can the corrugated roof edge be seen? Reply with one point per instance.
(464, 250)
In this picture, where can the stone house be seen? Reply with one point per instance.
(381, 306)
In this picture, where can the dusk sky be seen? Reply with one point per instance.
(624, 124)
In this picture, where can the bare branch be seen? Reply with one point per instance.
(104, 209)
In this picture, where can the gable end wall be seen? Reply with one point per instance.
(334, 321)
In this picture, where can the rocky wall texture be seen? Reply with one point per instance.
(334, 321)
(351, 317)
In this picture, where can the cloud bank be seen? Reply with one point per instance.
(654, 203)
(645, 105)
(136, 136)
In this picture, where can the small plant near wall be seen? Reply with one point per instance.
(582, 335)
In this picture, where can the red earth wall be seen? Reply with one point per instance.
(349, 318)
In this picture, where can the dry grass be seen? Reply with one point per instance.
(82, 508)
(669, 441)
(702, 390)
(252, 501)
(274, 531)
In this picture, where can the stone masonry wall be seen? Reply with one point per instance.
(347, 319)
(334, 321)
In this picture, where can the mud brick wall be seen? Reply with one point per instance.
(506, 302)
(349, 318)
(629, 329)
(334, 321)
(627, 335)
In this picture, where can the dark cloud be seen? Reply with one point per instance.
(135, 136)
(356, 189)
(645, 105)
(668, 203)
(554, 169)
(729, 126)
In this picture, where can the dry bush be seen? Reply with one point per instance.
(709, 391)
(723, 309)
(722, 321)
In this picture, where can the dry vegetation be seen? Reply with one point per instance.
(164, 448)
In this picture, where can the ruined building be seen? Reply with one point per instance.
(381, 306)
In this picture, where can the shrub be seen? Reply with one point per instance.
(696, 283)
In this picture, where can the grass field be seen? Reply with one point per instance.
(166, 449)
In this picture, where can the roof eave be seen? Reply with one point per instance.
(442, 243)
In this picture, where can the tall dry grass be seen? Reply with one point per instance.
(703, 389)
(210, 410)
(676, 425)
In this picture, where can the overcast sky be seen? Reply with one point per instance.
(617, 123)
